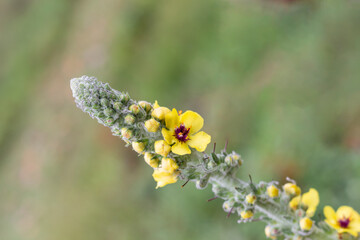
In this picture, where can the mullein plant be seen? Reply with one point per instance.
(172, 143)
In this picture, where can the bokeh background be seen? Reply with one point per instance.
(279, 79)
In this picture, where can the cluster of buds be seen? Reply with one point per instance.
(171, 142)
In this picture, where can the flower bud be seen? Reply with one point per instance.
(117, 105)
(134, 109)
(138, 147)
(273, 191)
(211, 164)
(129, 119)
(124, 98)
(233, 159)
(109, 112)
(152, 125)
(306, 224)
(269, 232)
(227, 205)
(160, 113)
(149, 159)
(162, 148)
(247, 214)
(250, 198)
(202, 183)
(104, 102)
(109, 121)
(169, 165)
(145, 105)
(292, 189)
(126, 133)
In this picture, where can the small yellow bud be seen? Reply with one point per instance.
(134, 109)
(169, 164)
(273, 191)
(233, 159)
(152, 125)
(269, 232)
(126, 133)
(129, 119)
(145, 105)
(162, 148)
(160, 113)
(247, 214)
(149, 159)
(227, 205)
(292, 189)
(250, 198)
(138, 147)
(306, 223)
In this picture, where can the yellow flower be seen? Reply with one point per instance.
(247, 214)
(292, 189)
(183, 131)
(138, 147)
(273, 191)
(309, 201)
(306, 224)
(250, 198)
(167, 174)
(162, 148)
(159, 112)
(149, 159)
(346, 219)
(152, 125)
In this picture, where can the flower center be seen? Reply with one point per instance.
(344, 222)
(181, 133)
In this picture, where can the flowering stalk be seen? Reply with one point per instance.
(173, 145)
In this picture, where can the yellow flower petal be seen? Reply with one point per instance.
(168, 136)
(348, 230)
(169, 165)
(355, 225)
(199, 141)
(192, 120)
(345, 212)
(310, 212)
(294, 203)
(156, 104)
(172, 119)
(311, 200)
(163, 177)
(180, 148)
(330, 216)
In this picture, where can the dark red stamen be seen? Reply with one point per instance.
(181, 133)
(344, 223)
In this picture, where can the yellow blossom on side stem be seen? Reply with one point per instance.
(292, 189)
(250, 198)
(309, 201)
(183, 132)
(306, 223)
(273, 191)
(247, 214)
(344, 220)
(167, 174)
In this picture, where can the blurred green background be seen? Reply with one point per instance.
(279, 79)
